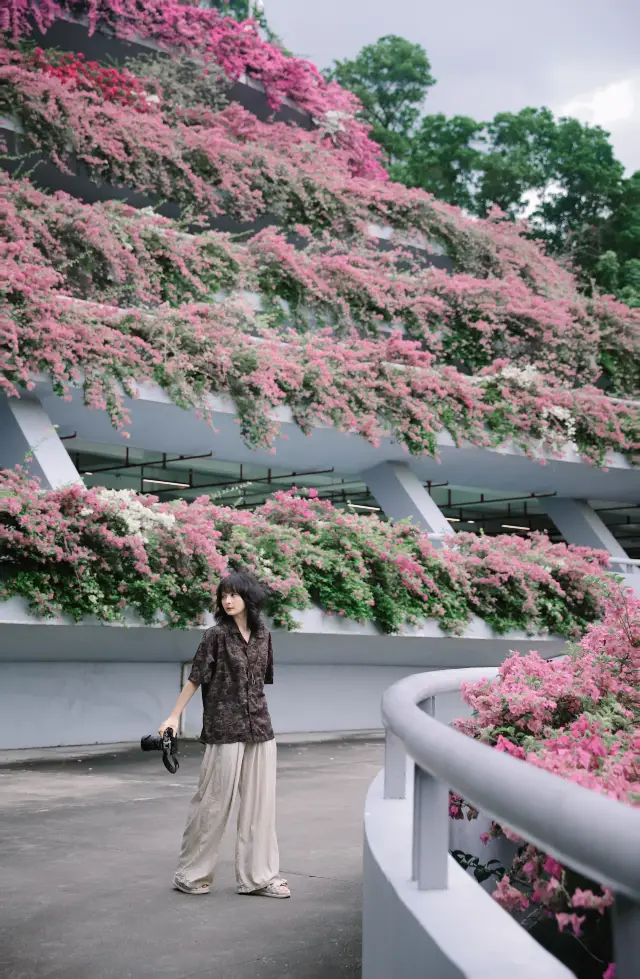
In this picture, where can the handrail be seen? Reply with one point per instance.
(591, 833)
(631, 561)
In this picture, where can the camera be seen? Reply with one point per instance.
(167, 744)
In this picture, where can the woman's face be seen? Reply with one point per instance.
(233, 604)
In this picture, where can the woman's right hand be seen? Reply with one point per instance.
(171, 722)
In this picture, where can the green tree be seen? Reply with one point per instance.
(583, 181)
(622, 229)
(561, 173)
(243, 9)
(620, 278)
(517, 160)
(608, 250)
(630, 291)
(391, 78)
(444, 158)
(238, 9)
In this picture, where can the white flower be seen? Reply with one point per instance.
(526, 377)
(86, 511)
(152, 99)
(564, 417)
(140, 519)
(557, 411)
(332, 122)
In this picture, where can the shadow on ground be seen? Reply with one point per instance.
(87, 849)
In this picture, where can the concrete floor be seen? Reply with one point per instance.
(87, 850)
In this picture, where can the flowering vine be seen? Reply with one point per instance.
(116, 254)
(377, 388)
(235, 47)
(80, 552)
(506, 300)
(111, 84)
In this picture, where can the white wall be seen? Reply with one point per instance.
(49, 704)
(46, 704)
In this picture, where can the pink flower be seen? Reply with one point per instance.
(587, 899)
(574, 920)
(552, 867)
(509, 897)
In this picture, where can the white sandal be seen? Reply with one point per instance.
(277, 888)
(185, 889)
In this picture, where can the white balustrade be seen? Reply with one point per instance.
(593, 834)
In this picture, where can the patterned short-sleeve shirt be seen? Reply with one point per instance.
(232, 674)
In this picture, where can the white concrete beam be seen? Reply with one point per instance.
(580, 524)
(28, 438)
(402, 497)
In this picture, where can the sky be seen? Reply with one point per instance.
(579, 57)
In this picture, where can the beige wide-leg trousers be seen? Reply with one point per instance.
(246, 771)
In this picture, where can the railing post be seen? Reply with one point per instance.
(395, 767)
(430, 831)
(429, 706)
(430, 825)
(626, 937)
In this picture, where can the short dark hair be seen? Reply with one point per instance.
(252, 593)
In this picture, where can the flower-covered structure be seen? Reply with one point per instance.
(212, 293)
(99, 552)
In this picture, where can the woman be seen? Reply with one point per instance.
(233, 662)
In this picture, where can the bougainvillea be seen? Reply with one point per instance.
(516, 304)
(81, 552)
(235, 47)
(204, 169)
(116, 254)
(578, 718)
(376, 388)
(510, 304)
(111, 84)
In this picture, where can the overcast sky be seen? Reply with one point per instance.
(579, 57)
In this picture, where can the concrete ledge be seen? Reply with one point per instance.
(159, 425)
(459, 933)
(320, 640)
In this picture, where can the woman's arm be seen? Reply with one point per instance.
(174, 718)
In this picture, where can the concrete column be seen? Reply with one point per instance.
(402, 496)
(579, 524)
(28, 437)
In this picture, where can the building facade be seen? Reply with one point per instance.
(360, 362)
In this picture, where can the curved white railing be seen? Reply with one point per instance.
(631, 564)
(591, 833)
